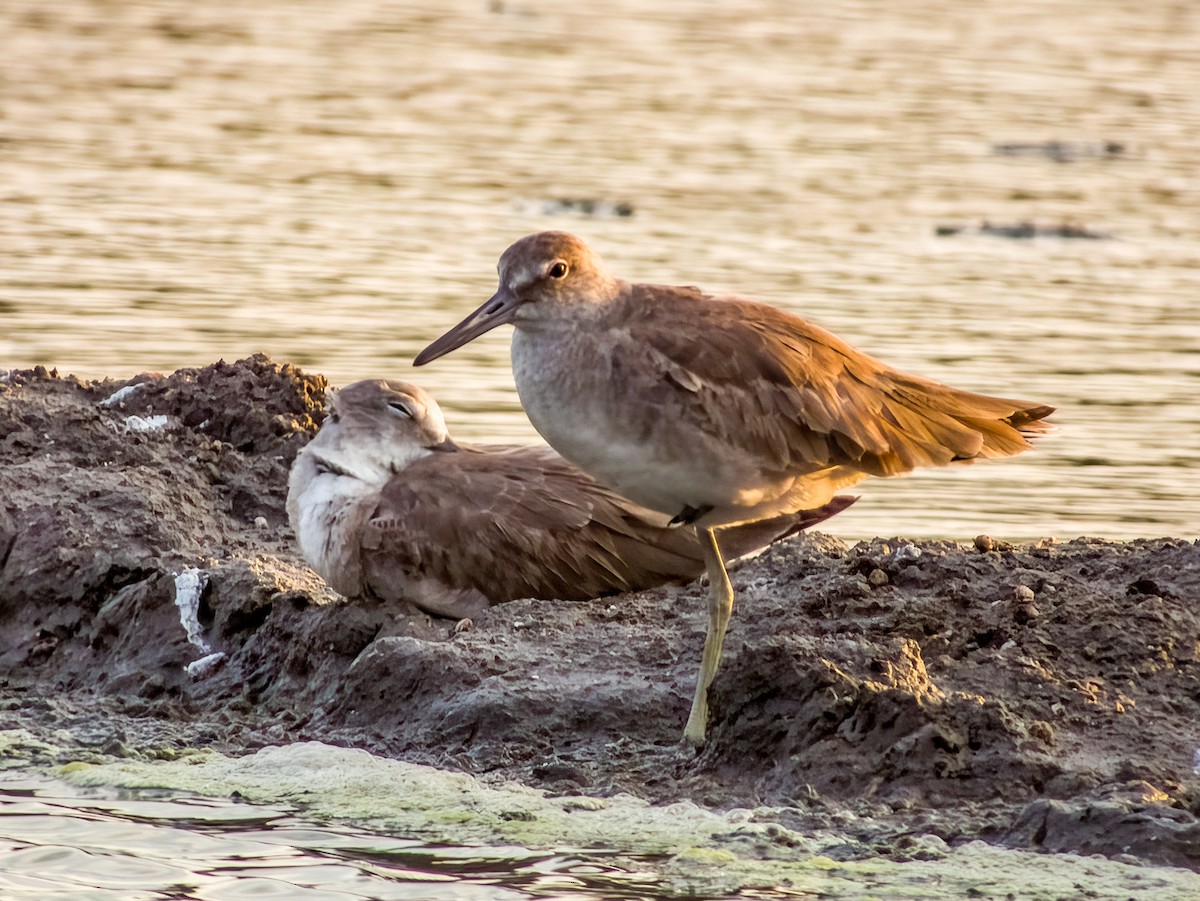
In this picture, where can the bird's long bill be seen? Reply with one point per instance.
(499, 310)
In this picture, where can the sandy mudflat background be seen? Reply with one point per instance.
(884, 700)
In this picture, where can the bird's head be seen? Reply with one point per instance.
(378, 427)
(543, 276)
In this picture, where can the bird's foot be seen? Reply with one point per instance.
(688, 515)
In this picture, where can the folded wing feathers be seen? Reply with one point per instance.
(533, 526)
(807, 400)
(527, 525)
(842, 406)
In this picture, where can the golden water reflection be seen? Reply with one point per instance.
(332, 183)
(57, 841)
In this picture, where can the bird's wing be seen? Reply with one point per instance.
(743, 538)
(790, 392)
(518, 522)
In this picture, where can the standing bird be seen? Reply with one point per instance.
(384, 504)
(716, 410)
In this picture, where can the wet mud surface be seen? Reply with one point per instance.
(1043, 697)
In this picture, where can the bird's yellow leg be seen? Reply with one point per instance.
(720, 606)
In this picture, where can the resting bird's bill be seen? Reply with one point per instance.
(385, 505)
(715, 410)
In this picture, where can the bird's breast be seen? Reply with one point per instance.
(582, 397)
(564, 388)
(325, 517)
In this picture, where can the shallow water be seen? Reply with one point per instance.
(181, 182)
(120, 830)
(57, 840)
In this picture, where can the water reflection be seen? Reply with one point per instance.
(60, 841)
(186, 182)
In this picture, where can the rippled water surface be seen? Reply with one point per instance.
(57, 841)
(332, 183)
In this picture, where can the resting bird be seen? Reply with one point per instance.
(385, 505)
(716, 410)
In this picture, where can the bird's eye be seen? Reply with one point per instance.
(400, 409)
(558, 270)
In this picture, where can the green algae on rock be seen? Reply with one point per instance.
(692, 849)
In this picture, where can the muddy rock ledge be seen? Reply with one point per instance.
(1042, 697)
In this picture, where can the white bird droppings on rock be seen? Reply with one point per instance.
(189, 586)
(205, 666)
(121, 394)
(155, 423)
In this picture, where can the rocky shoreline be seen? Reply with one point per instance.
(1039, 697)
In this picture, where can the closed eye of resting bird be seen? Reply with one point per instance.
(715, 410)
(385, 505)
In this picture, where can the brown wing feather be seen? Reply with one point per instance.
(741, 539)
(522, 522)
(793, 393)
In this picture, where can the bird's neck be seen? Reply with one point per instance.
(369, 461)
